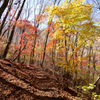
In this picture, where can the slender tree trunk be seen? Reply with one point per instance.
(3, 7)
(66, 51)
(76, 57)
(44, 51)
(18, 58)
(81, 57)
(94, 66)
(65, 77)
(8, 29)
(32, 61)
(58, 54)
(1, 27)
(89, 63)
(53, 57)
(12, 32)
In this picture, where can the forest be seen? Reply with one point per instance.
(49, 49)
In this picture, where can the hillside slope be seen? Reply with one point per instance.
(29, 82)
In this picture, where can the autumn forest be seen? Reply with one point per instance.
(58, 38)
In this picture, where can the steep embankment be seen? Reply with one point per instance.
(28, 82)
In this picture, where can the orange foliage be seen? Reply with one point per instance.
(40, 18)
(27, 25)
(50, 34)
(31, 35)
(50, 43)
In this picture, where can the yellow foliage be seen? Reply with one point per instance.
(72, 18)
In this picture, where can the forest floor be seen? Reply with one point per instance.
(29, 82)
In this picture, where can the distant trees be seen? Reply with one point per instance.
(74, 32)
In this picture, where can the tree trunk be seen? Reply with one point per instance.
(94, 66)
(53, 57)
(32, 61)
(81, 57)
(32, 52)
(12, 32)
(9, 8)
(3, 7)
(76, 57)
(90, 49)
(45, 49)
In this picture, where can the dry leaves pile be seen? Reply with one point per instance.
(28, 82)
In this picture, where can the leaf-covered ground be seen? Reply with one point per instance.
(29, 82)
